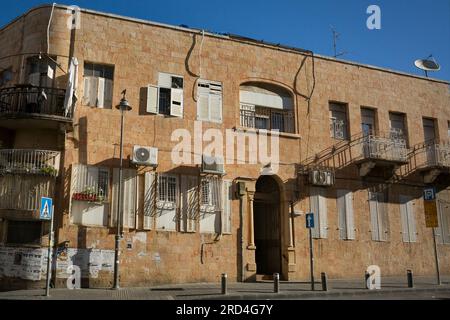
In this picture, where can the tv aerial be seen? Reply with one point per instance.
(428, 64)
(336, 36)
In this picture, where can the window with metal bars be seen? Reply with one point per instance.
(266, 118)
(90, 183)
(167, 187)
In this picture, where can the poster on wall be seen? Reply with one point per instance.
(24, 263)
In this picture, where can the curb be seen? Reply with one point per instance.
(309, 295)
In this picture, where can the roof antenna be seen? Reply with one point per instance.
(335, 38)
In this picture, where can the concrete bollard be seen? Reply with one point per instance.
(276, 282)
(409, 276)
(224, 283)
(324, 280)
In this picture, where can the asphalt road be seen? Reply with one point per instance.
(445, 295)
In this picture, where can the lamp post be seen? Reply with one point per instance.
(123, 106)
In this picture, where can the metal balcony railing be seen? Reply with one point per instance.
(267, 118)
(433, 153)
(26, 99)
(24, 161)
(19, 192)
(385, 147)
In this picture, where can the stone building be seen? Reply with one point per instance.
(357, 146)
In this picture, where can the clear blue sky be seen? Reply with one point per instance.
(410, 29)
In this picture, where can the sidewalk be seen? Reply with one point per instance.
(237, 291)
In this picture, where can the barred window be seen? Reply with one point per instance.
(91, 180)
(211, 192)
(167, 186)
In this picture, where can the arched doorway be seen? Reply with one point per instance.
(267, 226)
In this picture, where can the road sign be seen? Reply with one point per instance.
(431, 218)
(429, 194)
(46, 209)
(310, 220)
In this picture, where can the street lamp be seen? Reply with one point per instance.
(123, 106)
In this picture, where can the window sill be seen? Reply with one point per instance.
(267, 132)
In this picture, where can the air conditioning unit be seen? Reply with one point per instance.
(145, 156)
(323, 178)
(212, 165)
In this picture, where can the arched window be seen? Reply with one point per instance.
(266, 106)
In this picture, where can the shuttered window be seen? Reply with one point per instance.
(443, 231)
(166, 202)
(168, 99)
(129, 198)
(149, 200)
(98, 85)
(89, 195)
(345, 215)
(378, 216)
(227, 198)
(209, 101)
(408, 220)
(318, 204)
(338, 121)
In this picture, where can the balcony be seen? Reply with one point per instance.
(378, 155)
(26, 102)
(33, 162)
(267, 118)
(432, 159)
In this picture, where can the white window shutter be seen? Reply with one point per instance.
(176, 103)
(323, 221)
(226, 206)
(315, 209)
(189, 203)
(373, 207)
(152, 99)
(164, 80)
(149, 199)
(108, 93)
(101, 93)
(350, 217)
(129, 198)
(412, 222)
(90, 91)
(341, 206)
(404, 218)
(215, 107)
(444, 222)
(384, 214)
(203, 107)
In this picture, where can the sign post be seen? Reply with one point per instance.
(309, 226)
(46, 214)
(431, 220)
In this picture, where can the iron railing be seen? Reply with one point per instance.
(433, 153)
(33, 100)
(385, 147)
(24, 161)
(267, 118)
(20, 192)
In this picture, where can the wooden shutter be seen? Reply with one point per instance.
(90, 91)
(101, 93)
(108, 93)
(411, 221)
(203, 106)
(373, 208)
(152, 99)
(404, 218)
(341, 206)
(215, 107)
(189, 203)
(444, 222)
(323, 221)
(176, 103)
(149, 200)
(350, 218)
(227, 198)
(165, 80)
(383, 216)
(129, 197)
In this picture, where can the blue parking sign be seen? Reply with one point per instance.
(46, 210)
(310, 220)
(429, 194)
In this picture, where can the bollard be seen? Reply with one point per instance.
(276, 282)
(224, 283)
(409, 275)
(366, 277)
(324, 278)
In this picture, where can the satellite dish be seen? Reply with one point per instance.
(427, 65)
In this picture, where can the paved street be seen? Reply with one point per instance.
(392, 288)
